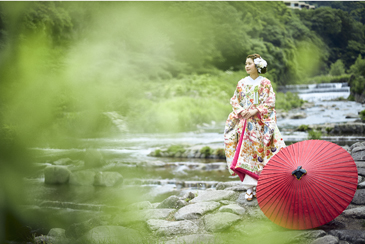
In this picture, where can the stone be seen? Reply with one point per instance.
(351, 116)
(233, 208)
(361, 185)
(361, 171)
(224, 185)
(170, 202)
(358, 153)
(195, 211)
(352, 236)
(359, 179)
(360, 164)
(326, 240)
(57, 233)
(77, 230)
(359, 197)
(357, 213)
(45, 240)
(244, 203)
(193, 239)
(219, 221)
(298, 116)
(141, 215)
(111, 234)
(82, 178)
(154, 205)
(357, 144)
(256, 213)
(56, 174)
(181, 203)
(93, 158)
(139, 206)
(226, 202)
(63, 161)
(107, 179)
(237, 188)
(304, 235)
(216, 195)
(169, 228)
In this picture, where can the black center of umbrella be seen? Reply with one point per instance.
(299, 172)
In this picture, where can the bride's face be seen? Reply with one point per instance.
(250, 66)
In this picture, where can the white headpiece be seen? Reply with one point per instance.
(260, 63)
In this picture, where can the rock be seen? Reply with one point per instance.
(193, 239)
(244, 203)
(256, 213)
(93, 158)
(141, 215)
(308, 105)
(188, 195)
(233, 208)
(358, 153)
(360, 164)
(357, 213)
(352, 236)
(57, 233)
(357, 144)
(298, 116)
(349, 129)
(226, 202)
(219, 221)
(359, 179)
(139, 206)
(56, 174)
(194, 211)
(154, 205)
(82, 178)
(361, 185)
(45, 240)
(216, 195)
(77, 230)
(361, 171)
(236, 188)
(304, 235)
(224, 185)
(351, 116)
(359, 197)
(169, 228)
(107, 178)
(63, 161)
(111, 234)
(170, 202)
(181, 203)
(326, 240)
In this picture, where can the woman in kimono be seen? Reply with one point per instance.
(251, 126)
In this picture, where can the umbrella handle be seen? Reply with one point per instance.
(299, 172)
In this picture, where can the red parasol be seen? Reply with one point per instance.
(311, 195)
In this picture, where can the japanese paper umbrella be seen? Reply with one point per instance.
(307, 184)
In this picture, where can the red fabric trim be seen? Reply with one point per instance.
(239, 171)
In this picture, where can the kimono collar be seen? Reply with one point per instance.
(250, 81)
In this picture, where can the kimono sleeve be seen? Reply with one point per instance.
(267, 109)
(235, 101)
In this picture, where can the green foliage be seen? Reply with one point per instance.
(287, 101)
(337, 68)
(207, 151)
(314, 135)
(357, 81)
(302, 128)
(220, 153)
(173, 149)
(327, 79)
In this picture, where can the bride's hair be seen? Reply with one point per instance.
(253, 56)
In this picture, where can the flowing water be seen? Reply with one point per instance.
(128, 155)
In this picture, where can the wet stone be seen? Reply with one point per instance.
(352, 236)
(244, 203)
(168, 228)
(233, 208)
(215, 195)
(358, 153)
(326, 240)
(219, 221)
(359, 197)
(357, 213)
(194, 211)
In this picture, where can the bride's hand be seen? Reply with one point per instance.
(248, 114)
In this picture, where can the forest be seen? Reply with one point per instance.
(162, 66)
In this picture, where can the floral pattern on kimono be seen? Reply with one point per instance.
(262, 138)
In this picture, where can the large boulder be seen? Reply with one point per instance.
(326, 240)
(93, 158)
(107, 179)
(241, 200)
(195, 211)
(357, 213)
(171, 228)
(82, 178)
(359, 197)
(111, 234)
(56, 174)
(358, 153)
(233, 208)
(193, 239)
(77, 230)
(219, 221)
(170, 202)
(352, 236)
(298, 116)
(216, 195)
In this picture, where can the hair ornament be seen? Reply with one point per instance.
(260, 63)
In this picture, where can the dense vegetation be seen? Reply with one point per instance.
(164, 66)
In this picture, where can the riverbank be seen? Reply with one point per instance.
(218, 214)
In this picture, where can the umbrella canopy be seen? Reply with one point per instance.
(307, 184)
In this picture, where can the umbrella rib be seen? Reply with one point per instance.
(318, 151)
(314, 210)
(271, 193)
(319, 162)
(335, 189)
(337, 180)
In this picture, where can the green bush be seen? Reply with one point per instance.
(173, 149)
(314, 135)
(207, 151)
(287, 101)
(302, 128)
(220, 153)
(362, 115)
(337, 68)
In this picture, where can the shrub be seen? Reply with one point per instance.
(313, 134)
(302, 128)
(362, 115)
(207, 151)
